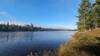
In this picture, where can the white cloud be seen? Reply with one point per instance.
(12, 22)
(6, 17)
(3, 13)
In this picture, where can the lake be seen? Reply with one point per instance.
(22, 43)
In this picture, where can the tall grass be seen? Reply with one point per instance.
(82, 44)
(43, 53)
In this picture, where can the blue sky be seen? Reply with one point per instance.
(45, 13)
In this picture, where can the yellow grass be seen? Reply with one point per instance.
(82, 44)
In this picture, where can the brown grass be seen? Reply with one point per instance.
(82, 44)
(43, 53)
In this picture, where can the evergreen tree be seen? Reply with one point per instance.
(96, 13)
(83, 13)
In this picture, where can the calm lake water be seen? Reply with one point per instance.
(22, 43)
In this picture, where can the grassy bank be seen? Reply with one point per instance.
(82, 44)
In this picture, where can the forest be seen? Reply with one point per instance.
(14, 27)
(89, 15)
(28, 27)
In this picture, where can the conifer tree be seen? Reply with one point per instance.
(96, 13)
(83, 13)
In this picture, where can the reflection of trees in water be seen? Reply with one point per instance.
(4, 36)
(7, 36)
(31, 35)
(13, 36)
(28, 35)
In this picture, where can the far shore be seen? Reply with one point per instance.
(38, 31)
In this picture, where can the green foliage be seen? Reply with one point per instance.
(13, 27)
(97, 1)
(83, 13)
(89, 15)
(96, 12)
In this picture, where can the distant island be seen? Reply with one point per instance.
(28, 27)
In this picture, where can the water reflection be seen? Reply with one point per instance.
(22, 43)
(13, 36)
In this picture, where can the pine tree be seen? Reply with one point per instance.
(83, 13)
(96, 13)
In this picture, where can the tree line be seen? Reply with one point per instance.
(89, 15)
(14, 27)
(28, 27)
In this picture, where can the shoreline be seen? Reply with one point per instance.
(38, 31)
(82, 44)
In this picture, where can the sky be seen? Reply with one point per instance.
(44, 13)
